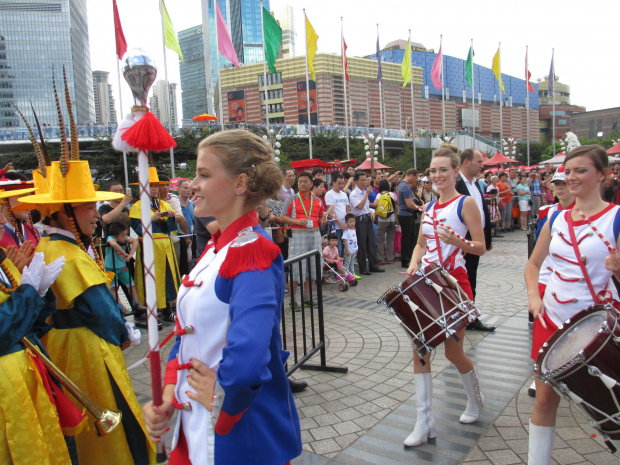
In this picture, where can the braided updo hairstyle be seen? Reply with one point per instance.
(242, 152)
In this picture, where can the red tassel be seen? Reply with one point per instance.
(149, 134)
(257, 255)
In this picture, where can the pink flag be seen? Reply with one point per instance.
(437, 70)
(223, 39)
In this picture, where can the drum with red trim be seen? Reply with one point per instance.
(581, 361)
(430, 306)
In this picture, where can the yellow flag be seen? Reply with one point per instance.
(497, 71)
(311, 40)
(170, 36)
(406, 65)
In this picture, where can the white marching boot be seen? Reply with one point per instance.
(541, 444)
(425, 424)
(475, 399)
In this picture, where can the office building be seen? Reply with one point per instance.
(163, 103)
(286, 18)
(192, 72)
(564, 110)
(36, 38)
(597, 123)
(243, 88)
(105, 112)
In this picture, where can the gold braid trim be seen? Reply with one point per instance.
(14, 285)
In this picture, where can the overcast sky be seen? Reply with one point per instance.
(585, 35)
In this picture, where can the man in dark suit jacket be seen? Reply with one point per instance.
(466, 184)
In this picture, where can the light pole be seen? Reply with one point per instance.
(371, 150)
(273, 138)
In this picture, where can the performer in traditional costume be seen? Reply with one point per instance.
(30, 431)
(18, 227)
(89, 329)
(451, 211)
(164, 223)
(582, 269)
(226, 372)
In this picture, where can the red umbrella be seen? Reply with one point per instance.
(376, 165)
(498, 159)
(205, 117)
(614, 149)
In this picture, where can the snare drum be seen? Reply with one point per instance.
(430, 306)
(581, 361)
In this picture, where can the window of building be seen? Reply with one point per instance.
(464, 96)
(599, 125)
(479, 98)
(562, 122)
(426, 92)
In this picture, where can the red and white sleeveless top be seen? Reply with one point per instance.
(568, 291)
(449, 213)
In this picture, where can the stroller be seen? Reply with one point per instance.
(342, 280)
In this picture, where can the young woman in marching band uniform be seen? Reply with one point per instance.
(226, 373)
(436, 243)
(582, 267)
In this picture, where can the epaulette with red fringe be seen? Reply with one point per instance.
(248, 252)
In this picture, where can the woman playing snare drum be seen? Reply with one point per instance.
(436, 243)
(569, 241)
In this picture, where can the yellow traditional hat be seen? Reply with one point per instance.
(153, 178)
(15, 193)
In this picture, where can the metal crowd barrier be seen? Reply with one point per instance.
(311, 319)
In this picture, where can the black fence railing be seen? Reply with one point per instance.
(303, 326)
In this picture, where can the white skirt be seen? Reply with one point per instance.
(524, 205)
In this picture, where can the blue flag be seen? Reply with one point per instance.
(378, 59)
(551, 77)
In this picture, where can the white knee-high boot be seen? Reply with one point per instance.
(425, 423)
(541, 444)
(475, 399)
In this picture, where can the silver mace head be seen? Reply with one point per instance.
(140, 73)
(108, 422)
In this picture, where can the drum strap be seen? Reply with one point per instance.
(582, 265)
(447, 264)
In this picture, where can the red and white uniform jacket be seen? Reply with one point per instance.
(568, 291)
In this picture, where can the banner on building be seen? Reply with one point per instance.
(304, 99)
(236, 106)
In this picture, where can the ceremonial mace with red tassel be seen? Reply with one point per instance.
(142, 132)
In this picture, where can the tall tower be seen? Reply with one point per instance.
(105, 112)
(192, 71)
(164, 106)
(243, 18)
(286, 17)
(36, 38)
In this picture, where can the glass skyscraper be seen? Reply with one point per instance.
(243, 18)
(36, 37)
(192, 71)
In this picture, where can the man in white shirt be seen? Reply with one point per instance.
(360, 207)
(337, 207)
(471, 165)
(287, 187)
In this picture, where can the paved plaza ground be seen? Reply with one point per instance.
(361, 417)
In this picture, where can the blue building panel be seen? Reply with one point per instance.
(455, 80)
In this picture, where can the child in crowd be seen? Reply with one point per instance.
(121, 250)
(330, 255)
(349, 240)
(494, 209)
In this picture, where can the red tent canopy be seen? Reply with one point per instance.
(308, 165)
(378, 166)
(498, 159)
(614, 149)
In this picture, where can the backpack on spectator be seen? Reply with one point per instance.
(385, 207)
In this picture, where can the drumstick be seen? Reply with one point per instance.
(610, 247)
(458, 236)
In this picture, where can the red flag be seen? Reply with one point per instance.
(528, 75)
(344, 59)
(121, 43)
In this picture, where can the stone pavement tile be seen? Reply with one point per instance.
(347, 427)
(506, 420)
(323, 432)
(492, 443)
(475, 455)
(372, 395)
(333, 395)
(381, 413)
(327, 419)
(325, 446)
(566, 456)
(503, 457)
(348, 414)
(570, 433)
(352, 401)
(512, 432)
(345, 440)
(366, 422)
(586, 446)
(519, 446)
(368, 408)
(479, 462)
(308, 423)
(312, 411)
(601, 458)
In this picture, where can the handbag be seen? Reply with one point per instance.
(277, 235)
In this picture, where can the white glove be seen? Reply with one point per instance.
(33, 272)
(50, 273)
(135, 335)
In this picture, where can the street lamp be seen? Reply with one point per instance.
(273, 138)
(371, 149)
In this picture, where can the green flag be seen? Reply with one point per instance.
(406, 64)
(273, 39)
(170, 36)
(469, 66)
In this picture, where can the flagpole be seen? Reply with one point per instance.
(501, 98)
(381, 105)
(552, 86)
(344, 82)
(167, 98)
(262, 25)
(308, 89)
(443, 91)
(415, 158)
(219, 74)
(473, 98)
(527, 105)
(120, 101)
